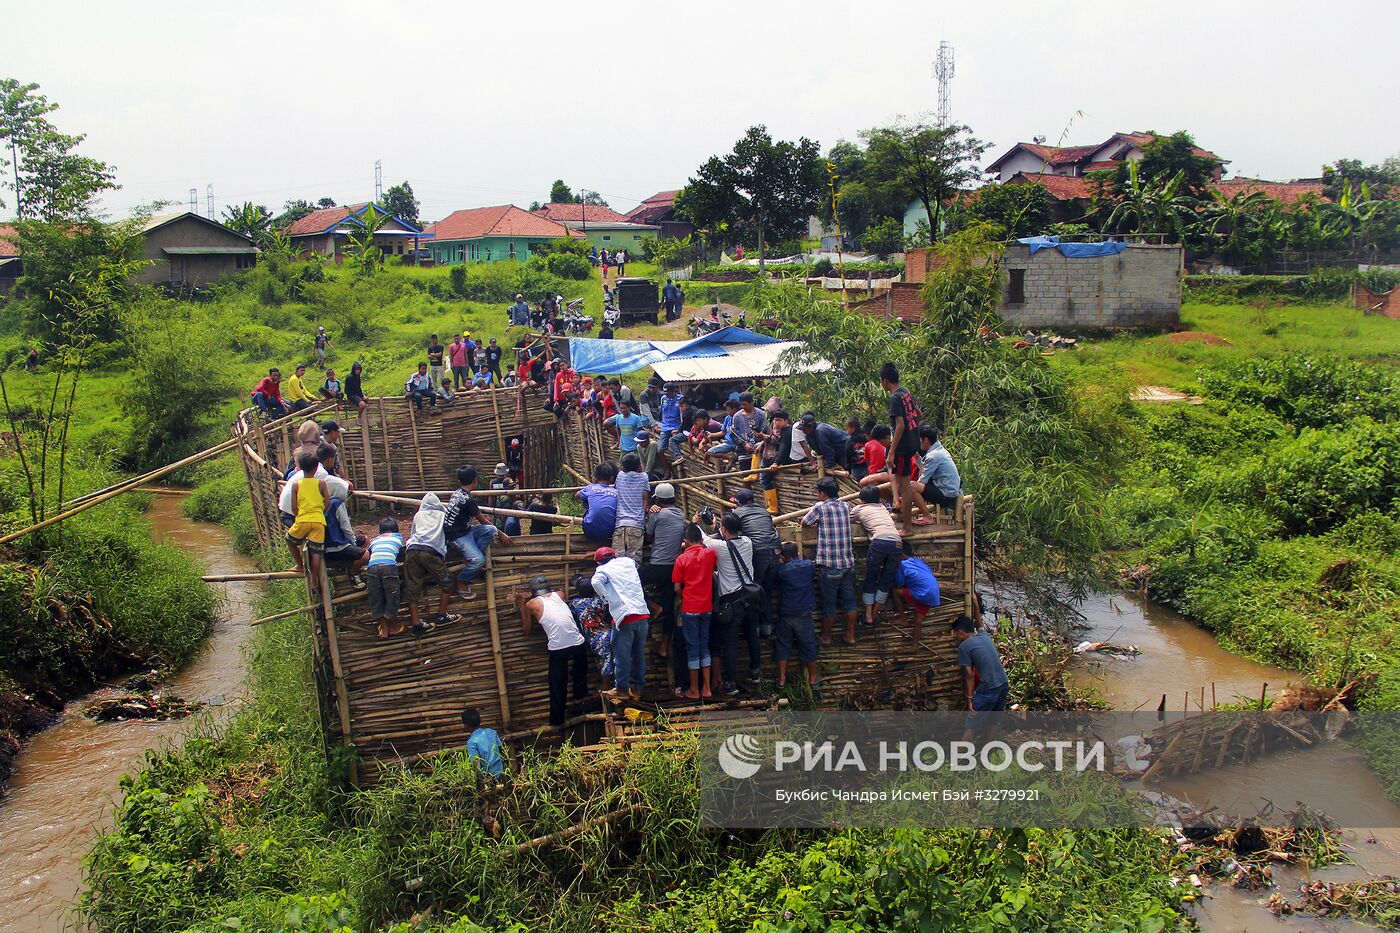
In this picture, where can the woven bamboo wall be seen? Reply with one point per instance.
(398, 699)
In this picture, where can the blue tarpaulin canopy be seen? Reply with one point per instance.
(1073, 250)
(591, 355)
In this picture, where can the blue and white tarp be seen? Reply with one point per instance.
(1073, 250)
(613, 357)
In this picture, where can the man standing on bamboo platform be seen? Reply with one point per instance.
(435, 355)
(665, 528)
(836, 564)
(425, 562)
(904, 465)
(469, 530)
(565, 642)
(457, 359)
(617, 581)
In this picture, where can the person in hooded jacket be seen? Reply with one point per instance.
(425, 562)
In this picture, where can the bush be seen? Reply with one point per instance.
(1325, 477)
(1306, 391)
(568, 266)
(1327, 284)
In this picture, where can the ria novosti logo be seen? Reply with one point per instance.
(740, 756)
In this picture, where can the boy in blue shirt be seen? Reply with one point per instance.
(915, 589)
(627, 424)
(383, 577)
(796, 606)
(600, 505)
(483, 745)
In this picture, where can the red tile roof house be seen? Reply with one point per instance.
(660, 210)
(1075, 161)
(491, 234)
(327, 232)
(604, 227)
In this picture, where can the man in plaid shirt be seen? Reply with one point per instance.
(836, 564)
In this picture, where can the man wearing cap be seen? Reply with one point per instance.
(520, 312)
(564, 640)
(646, 450)
(665, 531)
(617, 581)
(501, 482)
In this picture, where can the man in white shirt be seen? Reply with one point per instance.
(618, 582)
(731, 608)
(564, 640)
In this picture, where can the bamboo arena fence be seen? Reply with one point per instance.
(393, 701)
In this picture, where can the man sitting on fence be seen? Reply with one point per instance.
(939, 481)
(469, 530)
(297, 394)
(564, 640)
(419, 388)
(267, 394)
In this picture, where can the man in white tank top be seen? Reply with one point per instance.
(563, 639)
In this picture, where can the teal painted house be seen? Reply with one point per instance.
(490, 234)
(604, 227)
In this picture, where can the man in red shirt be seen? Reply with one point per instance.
(694, 577)
(267, 394)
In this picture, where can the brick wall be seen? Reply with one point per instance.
(1384, 303)
(1138, 288)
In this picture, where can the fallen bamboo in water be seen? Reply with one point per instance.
(238, 577)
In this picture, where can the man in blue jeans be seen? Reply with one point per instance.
(985, 678)
(470, 531)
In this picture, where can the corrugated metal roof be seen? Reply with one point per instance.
(209, 250)
(740, 362)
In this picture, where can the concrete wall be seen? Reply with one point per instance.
(618, 238)
(1139, 287)
(483, 249)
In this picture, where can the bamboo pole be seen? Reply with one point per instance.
(367, 448)
(417, 446)
(500, 435)
(575, 830)
(968, 516)
(338, 601)
(489, 510)
(342, 698)
(236, 577)
(800, 513)
(388, 456)
(163, 490)
(499, 661)
(114, 491)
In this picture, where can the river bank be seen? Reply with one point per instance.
(66, 782)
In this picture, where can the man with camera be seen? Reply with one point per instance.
(740, 597)
(757, 525)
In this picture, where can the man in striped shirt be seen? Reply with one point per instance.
(834, 559)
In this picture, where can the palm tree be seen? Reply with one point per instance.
(252, 220)
(1235, 223)
(1350, 212)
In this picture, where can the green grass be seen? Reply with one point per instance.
(1320, 330)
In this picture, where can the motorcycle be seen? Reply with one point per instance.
(700, 326)
(576, 323)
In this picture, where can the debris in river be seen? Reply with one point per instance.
(140, 706)
(1376, 901)
(1121, 652)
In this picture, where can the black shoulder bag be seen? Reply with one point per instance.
(749, 593)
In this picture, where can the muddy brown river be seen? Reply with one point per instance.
(62, 791)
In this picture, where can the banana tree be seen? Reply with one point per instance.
(1352, 211)
(1146, 206)
(1232, 224)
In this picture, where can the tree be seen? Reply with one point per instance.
(362, 253)
(49, 179)
(860, 199)
(400, 202)
(560, 193)
(768, 187)
(1019, 210)
(930, 163)
(1166, 156)
(1241, 228)
(1381, 178)
(292, 211)
(884, 237)
(323, 203)
(252, 220)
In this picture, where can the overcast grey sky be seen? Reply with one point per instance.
(485, 104)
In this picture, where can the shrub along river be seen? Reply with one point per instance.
(63, 790)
